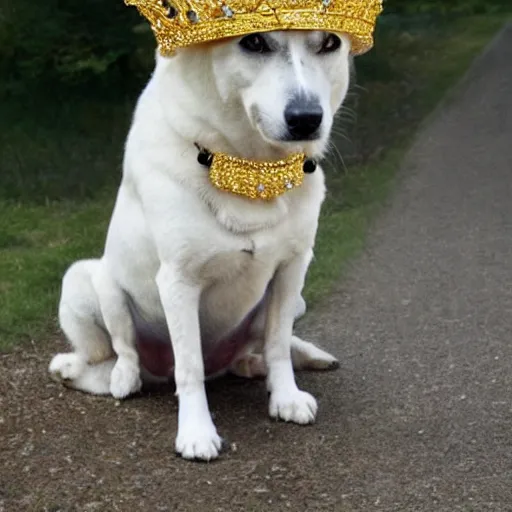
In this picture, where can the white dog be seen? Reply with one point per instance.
(214, 275)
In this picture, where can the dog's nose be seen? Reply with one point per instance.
(303, 117)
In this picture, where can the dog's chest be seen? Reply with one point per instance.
(256, 255)
(236, 280)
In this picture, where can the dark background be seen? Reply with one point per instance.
(96, 42)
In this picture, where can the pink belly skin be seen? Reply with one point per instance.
(156, 356)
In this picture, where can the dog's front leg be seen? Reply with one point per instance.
(197, 436)
(287, 402)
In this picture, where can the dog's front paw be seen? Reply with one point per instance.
(199, 442)
(125, 379)
(67, 367)
(296, 406)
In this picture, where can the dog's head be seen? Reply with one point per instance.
(290, 83)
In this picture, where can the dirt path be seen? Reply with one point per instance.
(418, 418)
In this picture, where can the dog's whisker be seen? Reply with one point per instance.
(333, 149)
(359, 87)
(342, 134)
(347, 114)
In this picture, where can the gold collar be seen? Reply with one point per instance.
(256, 179)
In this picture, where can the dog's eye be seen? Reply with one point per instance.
(331, 44)
(255, 43)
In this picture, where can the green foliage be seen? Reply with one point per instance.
(67, 144)
(84, 41)
(71, 41)
(445, 7)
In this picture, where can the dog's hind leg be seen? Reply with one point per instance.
(95, 317)
(307, 356)
(125, 377)
(249, 366)
(88, 367)
(71, 370)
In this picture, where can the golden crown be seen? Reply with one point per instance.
(180, 23)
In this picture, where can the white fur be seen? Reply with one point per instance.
(185, 253)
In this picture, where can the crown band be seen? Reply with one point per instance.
(181, 23)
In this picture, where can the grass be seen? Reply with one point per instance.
(70, 146)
